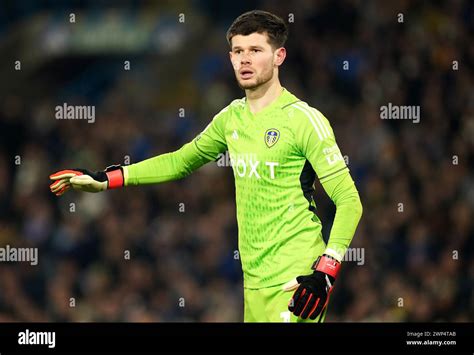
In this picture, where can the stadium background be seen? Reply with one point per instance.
(183, 264)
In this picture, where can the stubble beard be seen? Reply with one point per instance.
(264, 78)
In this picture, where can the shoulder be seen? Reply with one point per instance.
(237, 104)
(301, 110)
(306, 117)
(234, 106)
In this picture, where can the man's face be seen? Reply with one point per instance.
(253, 59)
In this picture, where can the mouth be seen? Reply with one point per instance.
(246, 74)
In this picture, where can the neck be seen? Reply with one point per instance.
(262, 96)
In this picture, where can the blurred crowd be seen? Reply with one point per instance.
(169, 252)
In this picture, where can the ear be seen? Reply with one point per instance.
(279, 56)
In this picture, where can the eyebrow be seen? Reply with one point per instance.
(251, 47)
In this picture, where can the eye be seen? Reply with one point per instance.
(256, 50)
(238, 51)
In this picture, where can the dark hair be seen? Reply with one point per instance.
(260, 22)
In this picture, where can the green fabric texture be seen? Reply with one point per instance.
(279, 237)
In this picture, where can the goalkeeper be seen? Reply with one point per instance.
(278, 145)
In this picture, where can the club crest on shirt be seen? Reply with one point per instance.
(271, 137)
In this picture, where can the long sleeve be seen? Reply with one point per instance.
(317, 143)
(204, 148)
(345, 196)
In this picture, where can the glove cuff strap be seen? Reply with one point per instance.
(327, 265)
(115, 178)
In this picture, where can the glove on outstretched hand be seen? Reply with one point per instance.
(85, 180)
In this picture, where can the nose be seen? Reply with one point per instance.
(245, 58)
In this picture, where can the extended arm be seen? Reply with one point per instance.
(165, 167)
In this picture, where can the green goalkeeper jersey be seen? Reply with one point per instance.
(276, 155)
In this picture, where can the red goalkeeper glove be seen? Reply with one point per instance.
(85, 180)
(312, 295)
